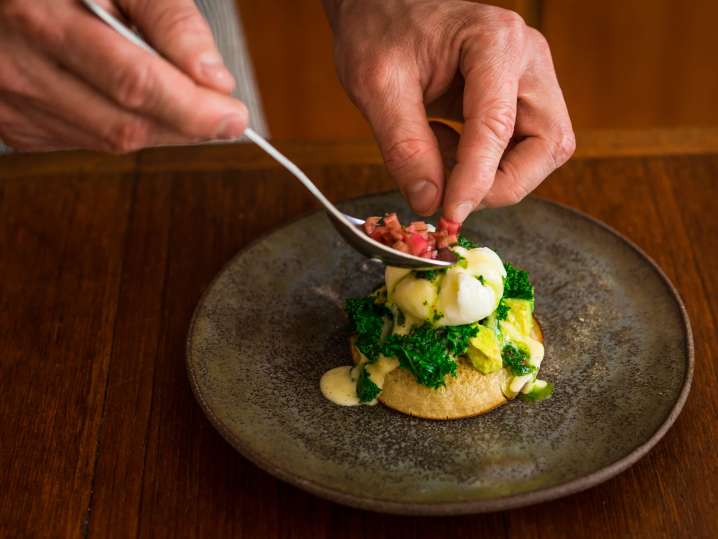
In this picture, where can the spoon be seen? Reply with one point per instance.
(348, 227)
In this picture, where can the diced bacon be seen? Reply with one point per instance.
(451, 227)
(417, 244)
(397, 234)
(370, 224)
(401, 246)
(391, 221)
(419, 226)
(418, 238)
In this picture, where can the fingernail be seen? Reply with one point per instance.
(231, 128)
(421, 194)
(462, 210)
(213, 68)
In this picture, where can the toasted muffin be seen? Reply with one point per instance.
(470, 393)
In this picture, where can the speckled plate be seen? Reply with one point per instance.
(619, 350)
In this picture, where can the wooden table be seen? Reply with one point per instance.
(102, 260)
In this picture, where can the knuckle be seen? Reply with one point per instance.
(539, 42)
(128, 136)
(498, 121)
(403, 152)
(134, 87)
(19, 14)
(507, 21)
(369, 77)
(26, 17)
(507, 30)
(516, 192)
(562, 146)
(510, 21)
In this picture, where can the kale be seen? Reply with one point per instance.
(457, 337)
(517, 284)
(423, 353)
(366, 319)
(427, 351)
(502, 311)
(367, 390)
(514, 359)
(466, 243)
(429, 275)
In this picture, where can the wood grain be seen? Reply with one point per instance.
(101, 268)
(59, 290)
(291, 46)
(636, 64)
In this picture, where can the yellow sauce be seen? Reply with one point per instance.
(339, 385)
(383, 366)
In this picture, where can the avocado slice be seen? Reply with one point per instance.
(484, 351)
(537, 390)
(520, 314)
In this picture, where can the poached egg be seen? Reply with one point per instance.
(465, 293)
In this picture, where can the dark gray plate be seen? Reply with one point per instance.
(619, 350)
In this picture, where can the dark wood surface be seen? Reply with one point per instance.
(621, 64)
(102, 260)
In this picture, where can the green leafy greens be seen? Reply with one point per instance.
(502, 311)
(366, 319)
(367, 390)
(515, 359)
(466, 243)
(517, 284)
(429, 275)
(429, 352)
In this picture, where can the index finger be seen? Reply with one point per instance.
(490, 96)
(145, 83)
(179, 31)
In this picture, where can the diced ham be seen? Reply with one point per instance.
(370, 224)
(401, 246)
(418, 238)
(451, 227)
(417, 244)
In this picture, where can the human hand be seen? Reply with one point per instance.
(67, 80)
(459, 60)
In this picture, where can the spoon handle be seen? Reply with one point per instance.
(250, 133)
(263, 143)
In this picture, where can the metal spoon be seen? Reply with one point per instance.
(348, 227)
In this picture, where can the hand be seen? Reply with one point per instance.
(67, 80)
(458, 60)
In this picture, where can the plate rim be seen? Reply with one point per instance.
(488, 505)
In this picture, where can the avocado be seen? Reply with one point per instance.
(520, 314)
(537, 390)
(484, 351)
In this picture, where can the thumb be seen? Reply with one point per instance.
(178, 31)
(408, 145)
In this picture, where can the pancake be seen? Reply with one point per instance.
(468, 394)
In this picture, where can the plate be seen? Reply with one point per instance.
(618, 349)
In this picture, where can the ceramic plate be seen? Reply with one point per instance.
(618, 349)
